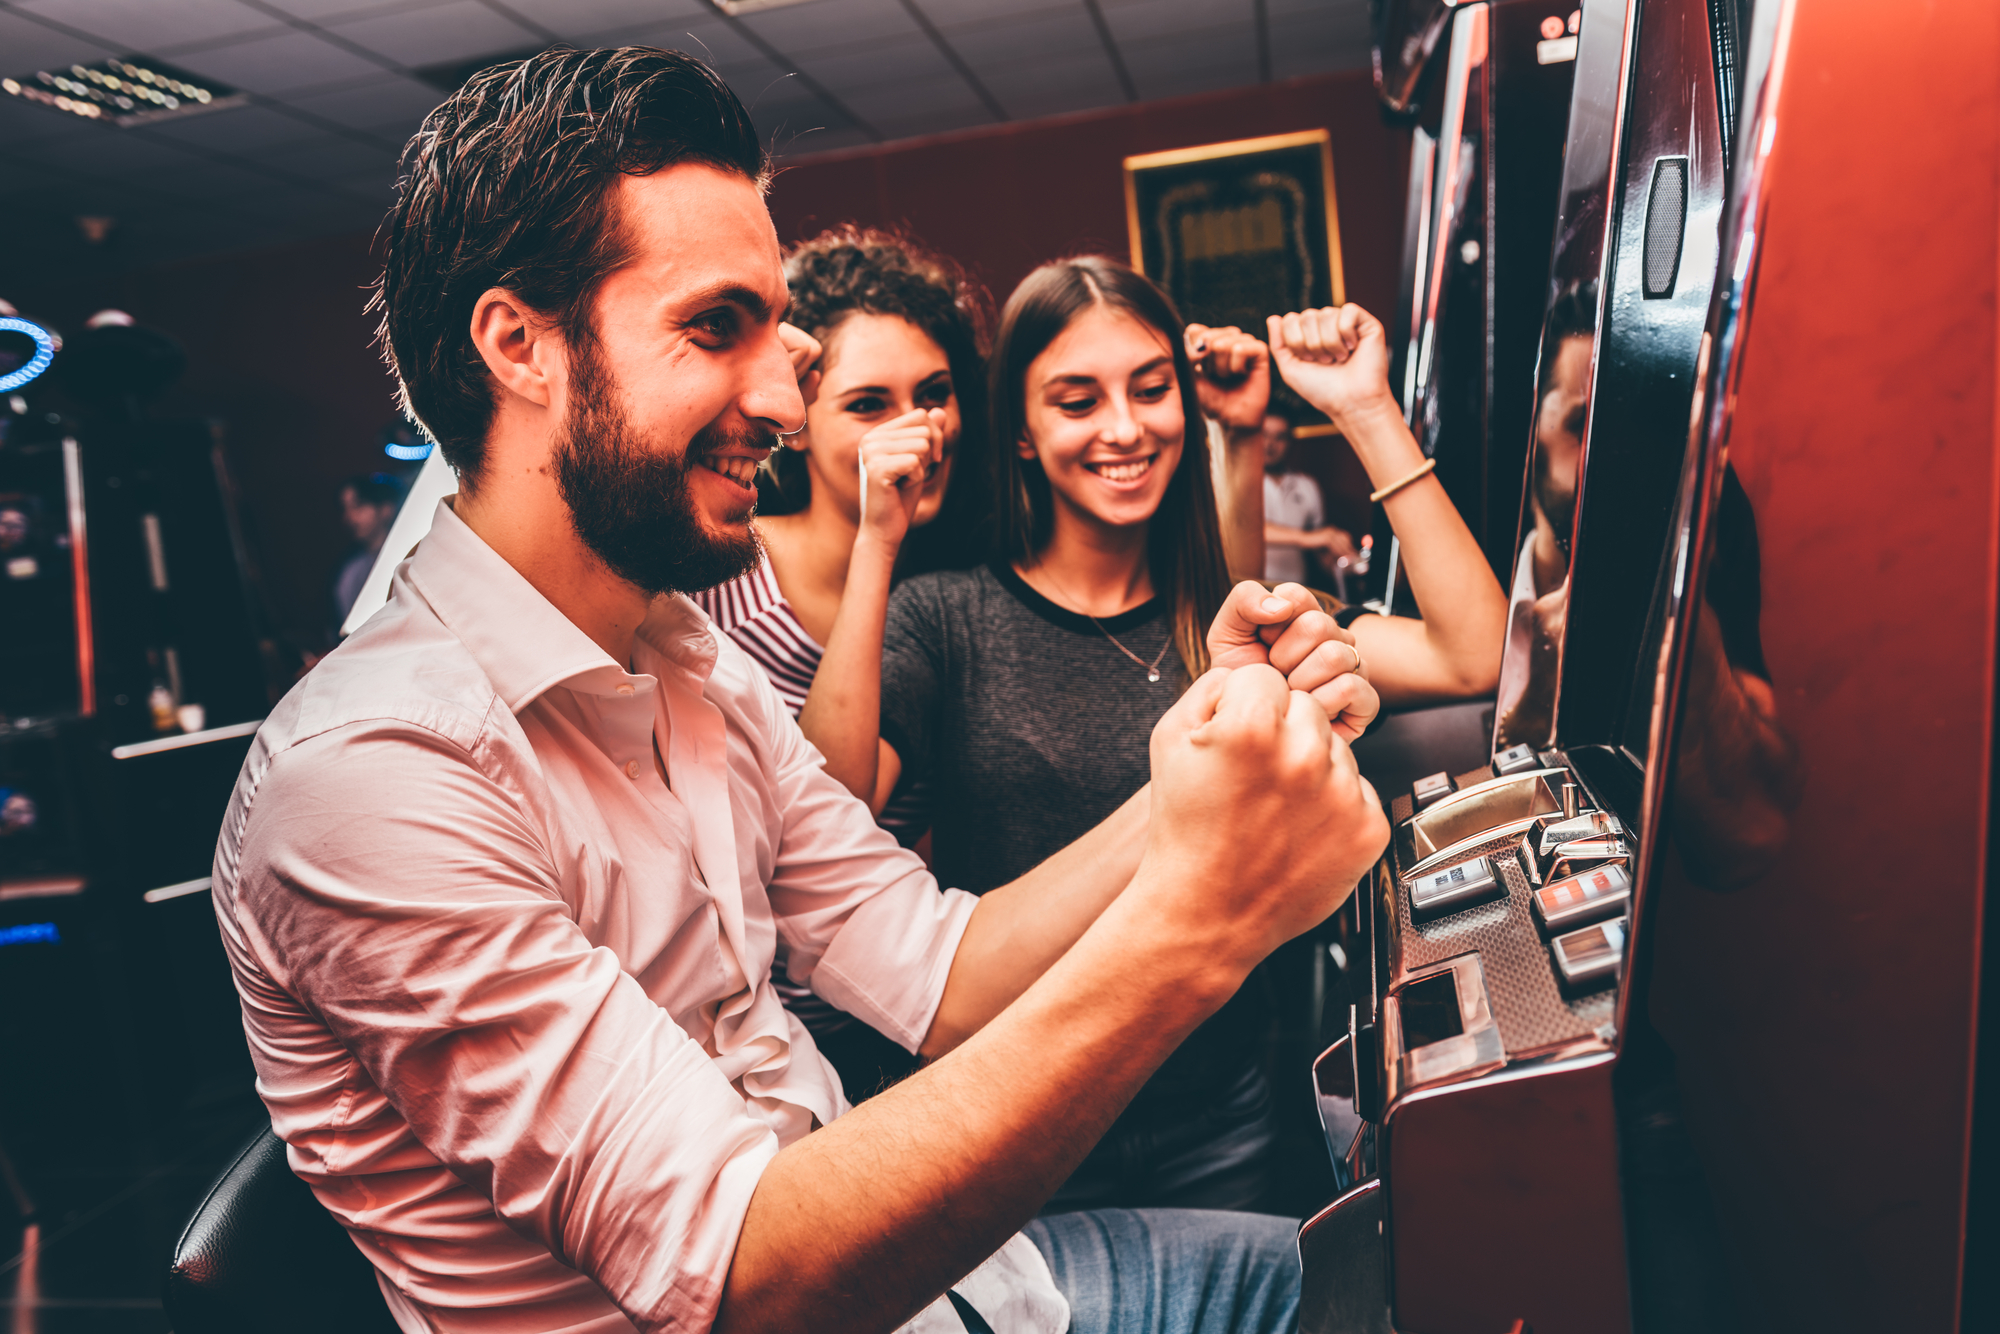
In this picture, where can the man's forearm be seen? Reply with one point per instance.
(860, 1225)
(1023, 927)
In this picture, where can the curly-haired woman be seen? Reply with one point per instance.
(887, 479)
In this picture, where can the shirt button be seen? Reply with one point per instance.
(625, 687)
(631, 768)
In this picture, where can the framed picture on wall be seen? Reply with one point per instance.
(1239, 231)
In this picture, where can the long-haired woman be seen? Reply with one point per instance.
(1024, 692)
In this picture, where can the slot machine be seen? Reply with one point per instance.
(1473, 1101)
(1478, 226)
(1819, 813)
(1489, 102)
(133, 672)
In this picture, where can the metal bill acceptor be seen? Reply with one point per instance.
(1472, 1101)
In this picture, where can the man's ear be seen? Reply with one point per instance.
(521, 351)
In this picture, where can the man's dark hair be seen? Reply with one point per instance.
(506, 185)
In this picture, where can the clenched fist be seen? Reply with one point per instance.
(1286, 629)
(1261, 823)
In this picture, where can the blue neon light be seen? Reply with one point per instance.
(30, 933)
(45, 352)
(408, 453)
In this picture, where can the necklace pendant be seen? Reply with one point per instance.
(1152, 674)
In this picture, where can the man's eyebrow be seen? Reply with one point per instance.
(733, 294)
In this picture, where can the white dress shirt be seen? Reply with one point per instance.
(507, 991)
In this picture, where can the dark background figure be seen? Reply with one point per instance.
(368, 505)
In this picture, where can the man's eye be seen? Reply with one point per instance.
(866, 406)
(718, 325)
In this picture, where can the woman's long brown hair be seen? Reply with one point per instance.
(1184, 536)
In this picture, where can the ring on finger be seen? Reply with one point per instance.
(1356, 669)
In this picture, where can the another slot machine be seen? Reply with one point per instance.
(1473, 1099)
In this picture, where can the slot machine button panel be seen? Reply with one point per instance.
(1449, 889)
(1439, 1025)
(1430, 790)
(1578, 900)
(1589, 960)
(1568, 829)
(1581, 854)
(1516, 760)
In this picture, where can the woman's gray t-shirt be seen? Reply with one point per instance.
(1030, 727)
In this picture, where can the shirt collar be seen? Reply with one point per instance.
(518, 638)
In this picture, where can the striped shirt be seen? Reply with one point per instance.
(751, 610)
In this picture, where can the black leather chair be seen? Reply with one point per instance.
(262, 1256)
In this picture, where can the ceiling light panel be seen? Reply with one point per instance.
(132, 91)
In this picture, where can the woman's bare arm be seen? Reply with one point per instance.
(1338, 361)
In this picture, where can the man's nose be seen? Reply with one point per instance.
(771, 392)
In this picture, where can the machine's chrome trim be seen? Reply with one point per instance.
(1475, 1050)
(1344, 1265)
(1333, 1095)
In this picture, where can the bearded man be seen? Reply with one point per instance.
(504, 877)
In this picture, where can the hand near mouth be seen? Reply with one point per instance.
(895, 459)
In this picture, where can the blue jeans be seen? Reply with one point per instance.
(1173, 1271)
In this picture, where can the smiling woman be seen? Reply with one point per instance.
(1024, 693)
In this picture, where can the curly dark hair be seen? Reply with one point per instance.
(505, 185)
(854, 270)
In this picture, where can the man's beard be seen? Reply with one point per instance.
(633, 507)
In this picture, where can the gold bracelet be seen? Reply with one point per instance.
(1377, 497)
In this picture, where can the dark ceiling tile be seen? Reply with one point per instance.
(907, 63)
(1312, 41)
(798, 30)
(1051, 36)
(436, 34)
(602, 21)
(324, 157)
(153, 25)
(1076, 81)
(283, 64)
(390, 99)
(107, 152)
(27, 46)
(230, 130)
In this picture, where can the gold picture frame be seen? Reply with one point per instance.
(1239, 230)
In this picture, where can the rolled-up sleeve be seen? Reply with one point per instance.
(397, 889)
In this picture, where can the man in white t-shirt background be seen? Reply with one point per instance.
(1294, 513)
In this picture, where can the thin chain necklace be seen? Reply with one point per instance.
(1151, 669)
